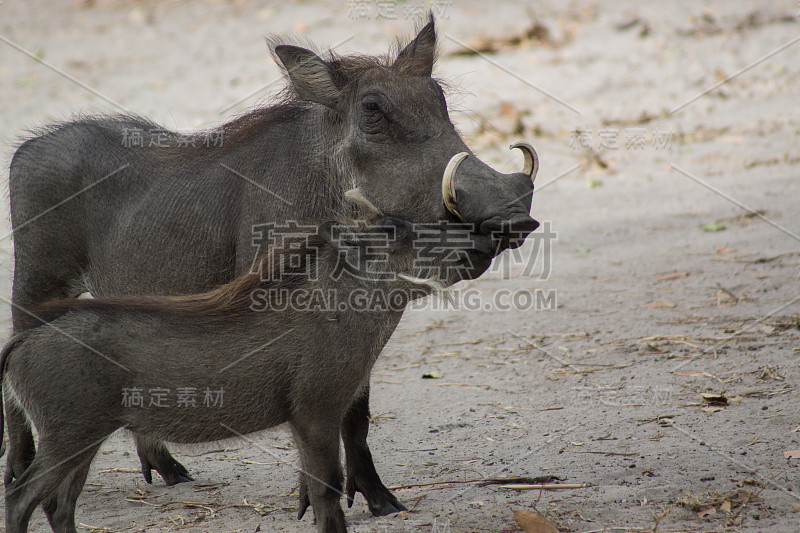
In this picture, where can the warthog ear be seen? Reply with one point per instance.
(417, 58)
(311, 77)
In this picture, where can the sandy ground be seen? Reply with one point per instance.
(640, 309)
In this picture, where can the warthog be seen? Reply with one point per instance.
(120, 206)
(301, 366)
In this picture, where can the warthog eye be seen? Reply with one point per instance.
(370, 106)
(402, 233)
(375, 102)
(374, 120)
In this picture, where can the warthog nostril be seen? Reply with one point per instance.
(520, 225)
(524, 225)
(509, 233)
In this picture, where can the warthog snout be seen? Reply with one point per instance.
(494, 203)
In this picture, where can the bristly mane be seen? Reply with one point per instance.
(271, 270)
(285, 107)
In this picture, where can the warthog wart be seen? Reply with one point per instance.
(274, 366)
(121, 206)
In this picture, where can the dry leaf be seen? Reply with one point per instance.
(749, 497)
(792, 454)
(674, 275)
(726, 506)
(796, 507)
(714, 399)
(712, 227)
(712, 409)
(509, 110)
(533, 522)
(706, 512)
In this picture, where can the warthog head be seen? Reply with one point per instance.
(397, 145)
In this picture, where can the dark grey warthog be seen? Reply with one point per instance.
(301, 366)
(120, 206)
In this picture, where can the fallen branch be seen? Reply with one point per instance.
(484, 481)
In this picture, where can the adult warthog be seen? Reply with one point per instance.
(120, 206)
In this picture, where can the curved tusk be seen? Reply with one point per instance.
(449, 184)
(358, 198)
(431, 283)
(531, 159)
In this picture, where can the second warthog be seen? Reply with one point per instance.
(305, 367)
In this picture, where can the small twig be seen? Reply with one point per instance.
(190, 505)
(136, 500)
(417, 502)
(249, 462)
(431, 484)
(545, 486)
(255, 507)
(655, 418)
(758, 439)
(218, 450)
(726, 291)
(475, 386)
(93, 528)
(657, 518)
(623, 454)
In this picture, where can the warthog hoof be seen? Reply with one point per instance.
(171, 471)
(304, 503)
(380, 500)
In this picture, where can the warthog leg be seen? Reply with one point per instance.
(54, 463)
(33, 284)
(21, 448)
(153, 454)
(361, 474)
(321, 474)
(60, 506)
